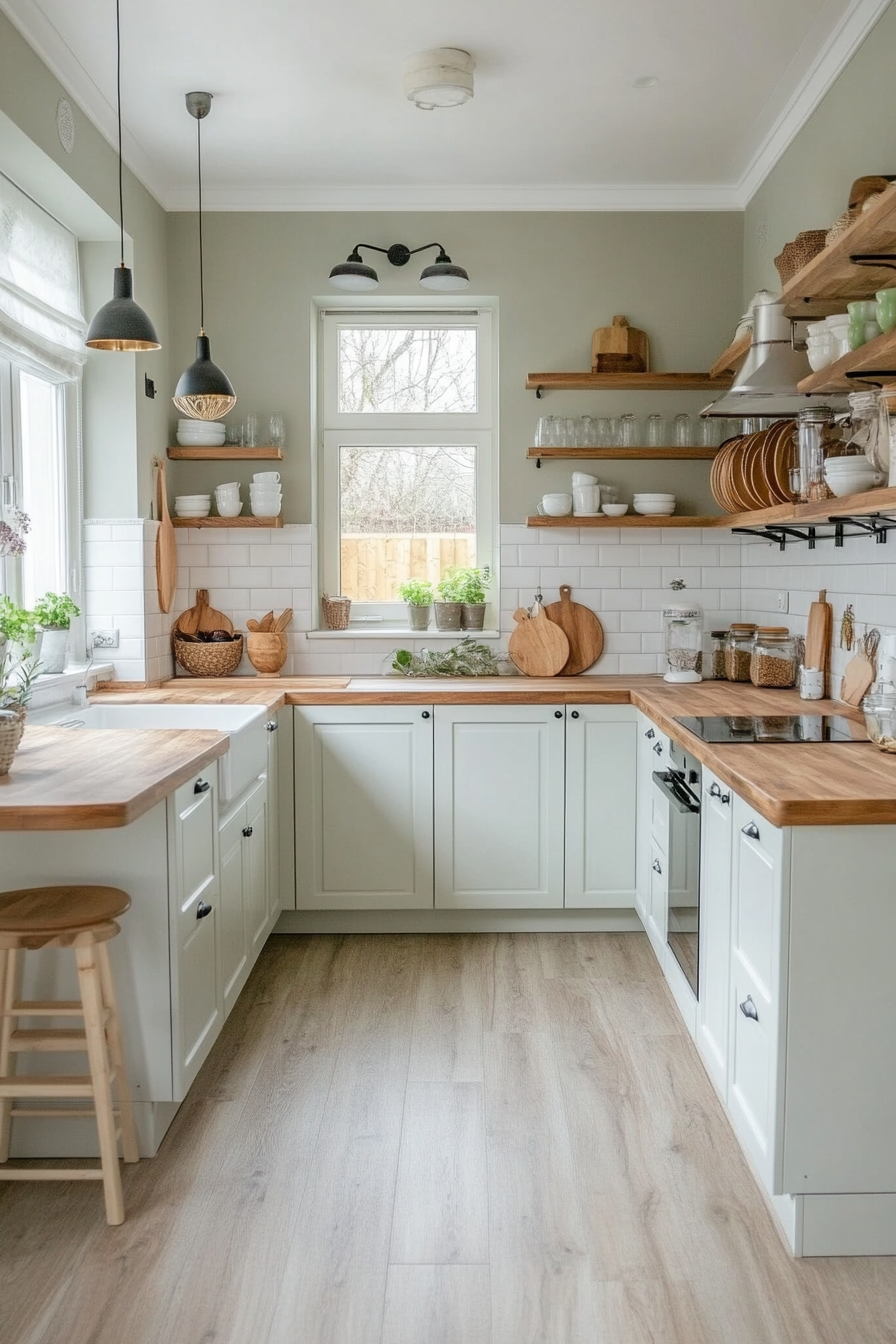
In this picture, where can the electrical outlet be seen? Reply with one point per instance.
(783, 601)
(103, 639)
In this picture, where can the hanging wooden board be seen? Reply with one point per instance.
(166, 545)
(582, 629)
(857, 680)
(538, 647)
(819, 632)
(620, 348)
(202, 617)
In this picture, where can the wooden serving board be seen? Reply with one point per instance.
(166, 545)
(582, 629)
(819, 632)
(202, 617)
(538, 647)
(857, 680)
(619, 348)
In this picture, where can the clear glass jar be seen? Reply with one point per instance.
(879, 708)
(718, 641)
(773, 657)
(812, 439)
(739, 651)
(683, 633)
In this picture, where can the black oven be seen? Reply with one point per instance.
(680, 785)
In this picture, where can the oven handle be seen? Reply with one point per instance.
(678, 795)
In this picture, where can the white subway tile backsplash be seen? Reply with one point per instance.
(537, 555)
(248, 576)
(207, 576)
(600, 576)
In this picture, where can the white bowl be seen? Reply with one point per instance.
(268, 511)
(188, 503)
(227, 510)
(654, 499)
(615, 510)
(189, 422)
(193, 512)
(187, 440)
(651, 510)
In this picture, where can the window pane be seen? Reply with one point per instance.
(43, 488)
(409, 370)
(405, 513)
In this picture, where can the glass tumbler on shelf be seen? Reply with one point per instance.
(605, 432)
(681, 431)
(251, 429)
(276, 431)
(585, 432)
(707, 432)
(629, 431)
(656, 431)
(811, 440)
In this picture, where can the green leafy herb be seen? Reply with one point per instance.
(54, 611)
(466, 659)
(418, 592)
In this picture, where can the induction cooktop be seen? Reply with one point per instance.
(795, 729)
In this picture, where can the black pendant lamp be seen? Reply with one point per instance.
(121, 324)
(204, 391)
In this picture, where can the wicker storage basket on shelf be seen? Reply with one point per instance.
(208, 660)
(337, 611)
(794, 256)
(12, 726)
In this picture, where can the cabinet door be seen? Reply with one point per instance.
(652, 752)
(715, 928)
(601, 805)
(255, 871)
(499, 806)
(657, 900)
(363, 802)
(234, 958)
(275, 732)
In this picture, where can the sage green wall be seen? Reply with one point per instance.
(556, 277)
(851, 133)
(117, 446)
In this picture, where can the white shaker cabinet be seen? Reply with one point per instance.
(363, 807)
(245, 911)
(601, 806)
(714, 960)
(652, 754)
(499, 806)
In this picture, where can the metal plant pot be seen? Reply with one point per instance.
(52, 651)
(449, 615)
(474, 616)
(418, 616)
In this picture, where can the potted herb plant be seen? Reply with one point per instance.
(16, 684)
(473, 584)
(418, 593)
(450, 602)
(19, 630)
(54, 612)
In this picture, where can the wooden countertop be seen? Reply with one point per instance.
(68, 781)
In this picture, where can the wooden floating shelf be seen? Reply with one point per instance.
(228, 522)
(625, 454)
(627, 520)
(207, 454)
(869, 502)
(628, 382)
(876, 356)
(830, 280)
(731, 357)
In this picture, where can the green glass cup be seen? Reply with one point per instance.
(886, 309)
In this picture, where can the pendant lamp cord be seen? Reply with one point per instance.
(118, 88)
(201, 281)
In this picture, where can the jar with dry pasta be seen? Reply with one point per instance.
(773, 659)
(739, 651)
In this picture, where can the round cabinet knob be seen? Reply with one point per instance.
(425, 714)
(575, 714)
(201, 786)
(271, 725)
(558, 713)
(203, 909)
(247, 831)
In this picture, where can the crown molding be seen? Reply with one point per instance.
(43, 38)
(545, 197)
(842, 44)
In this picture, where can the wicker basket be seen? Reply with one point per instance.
(337, 611)
(208, 660)
(794, 256)
(12, 725)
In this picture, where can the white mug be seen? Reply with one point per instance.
(265, 477)
(586, 499)
(228, 485)
(558, 505)
(811, 683)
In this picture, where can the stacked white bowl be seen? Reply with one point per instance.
(200, 433)
(851, 475)
(838, 324)
(658, 504)
(265, 498)
(193, 506)
(822, 348)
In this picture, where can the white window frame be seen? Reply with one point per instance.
(477, 429)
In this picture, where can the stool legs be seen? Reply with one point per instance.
(95, 1030)
(10, 971)
(129, 1147)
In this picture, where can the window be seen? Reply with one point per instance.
(406, 484)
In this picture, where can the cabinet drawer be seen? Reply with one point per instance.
(753, 1061)
(757, 911)
(194, 808)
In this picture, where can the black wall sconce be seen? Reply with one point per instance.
(354, 273)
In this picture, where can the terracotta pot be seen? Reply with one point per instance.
(267, 651)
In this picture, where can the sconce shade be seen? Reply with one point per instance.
(121, 324)
(354, 273)
(443, 274)
(204, 391)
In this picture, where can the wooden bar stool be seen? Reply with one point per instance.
(82, 918)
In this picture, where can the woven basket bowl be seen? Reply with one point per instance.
(10, 736)
(337, 611)
(208, 660)
(794, 256)
(267, 651)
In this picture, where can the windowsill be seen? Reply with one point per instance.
(399, 632)
(57, 688)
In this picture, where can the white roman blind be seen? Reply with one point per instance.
(40, 289)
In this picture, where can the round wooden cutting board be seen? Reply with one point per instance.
(538, 647)
(582, 629)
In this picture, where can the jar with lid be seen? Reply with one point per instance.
(718, 641)
(773, 657)
(738, 651)
(879, 708)
(813, 439)
(683, 632)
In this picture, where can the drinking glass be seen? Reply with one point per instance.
(276, 431)
(233, 434)
(605, 432)
(656, 431)
(555, 432)
(251, 431)
(569, 432)
(707, 432)
(587, 435)
(681, 431)
(628, 430)
(542, 433)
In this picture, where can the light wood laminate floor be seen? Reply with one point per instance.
(482, 1139)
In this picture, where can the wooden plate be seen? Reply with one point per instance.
(727, 469)
(780, 462)
(752, 476)
(719, 475)
(736, 484)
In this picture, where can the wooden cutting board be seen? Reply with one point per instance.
(538, 647)
(202, 617)
(819, 633)
(166, 546)
(857, 679)
(620, 348)
(582, 629)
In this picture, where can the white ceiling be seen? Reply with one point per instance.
(309, 111)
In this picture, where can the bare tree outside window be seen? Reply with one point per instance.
(407, 370)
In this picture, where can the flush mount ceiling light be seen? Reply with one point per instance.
(442, 77)
(645, 82)
(354, 273)
(121, 324)
(204, 391)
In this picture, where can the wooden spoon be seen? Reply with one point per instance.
(283, 620)
(266, 623)
(252, 624)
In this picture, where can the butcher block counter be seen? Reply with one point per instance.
(66, 781)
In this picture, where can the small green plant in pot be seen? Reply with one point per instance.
(54, 613)
(16, 685)
(18, 627)
(418, 593)
(470, 585)
(450, 603)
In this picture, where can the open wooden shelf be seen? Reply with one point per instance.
(830, 280)
(250, 521)
(223, 454)
(627, 382)
(877, 356)
(731, 357)
(627, 520)
(693, 454)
